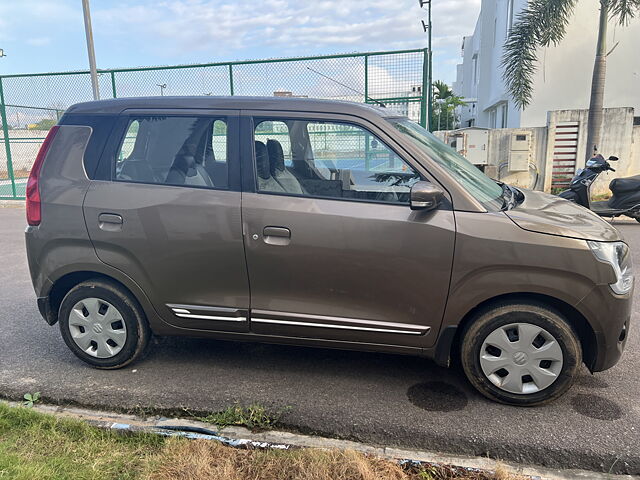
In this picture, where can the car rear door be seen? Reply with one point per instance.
(166, 212)
(339, 255)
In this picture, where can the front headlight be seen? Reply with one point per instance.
(617, 255)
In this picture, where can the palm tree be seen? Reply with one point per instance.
(444, 104)
(543, 23)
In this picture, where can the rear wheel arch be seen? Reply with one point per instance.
(576, 320)
(65, 283)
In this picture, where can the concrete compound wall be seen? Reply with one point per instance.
(620, 137)
(617, 139)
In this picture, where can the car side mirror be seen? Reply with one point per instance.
(425, 196)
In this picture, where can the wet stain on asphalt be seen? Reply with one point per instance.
(593, 406)
(590, 381)
(437, 397)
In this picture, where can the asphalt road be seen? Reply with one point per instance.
(383, 399)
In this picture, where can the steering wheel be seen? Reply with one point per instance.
(389, 196)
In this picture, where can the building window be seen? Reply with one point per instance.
(495, 31)
(503, 117)
(509, 15)
(498, 115)
(475, 69)
(493, 114)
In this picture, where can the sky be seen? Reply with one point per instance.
(48, 35)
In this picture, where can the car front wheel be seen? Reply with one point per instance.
(520, 353)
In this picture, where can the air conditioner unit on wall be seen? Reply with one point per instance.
(519, 151)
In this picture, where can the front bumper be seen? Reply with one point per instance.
(609, 316)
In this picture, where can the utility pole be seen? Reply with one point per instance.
(427, 28)
(90, 50)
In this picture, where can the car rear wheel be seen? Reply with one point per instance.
(520, 353)
(103, 324)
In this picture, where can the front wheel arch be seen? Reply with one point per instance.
(577, 321)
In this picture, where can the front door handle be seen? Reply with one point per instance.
(110, 222)
(276, 235)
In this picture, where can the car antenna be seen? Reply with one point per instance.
(347, 86)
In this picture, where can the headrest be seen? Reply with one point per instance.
(185, 163)
(276, 156)
(262, 161)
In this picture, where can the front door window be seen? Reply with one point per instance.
(328, 159)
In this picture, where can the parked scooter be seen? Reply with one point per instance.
(626, 191)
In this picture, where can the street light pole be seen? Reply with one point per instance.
(427, 28)
(90, 50)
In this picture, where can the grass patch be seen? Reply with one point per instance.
(36, 445)
(206, 459)
(254, 417)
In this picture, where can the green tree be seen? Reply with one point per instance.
(444, 107)
(45, 124)
(543, 23)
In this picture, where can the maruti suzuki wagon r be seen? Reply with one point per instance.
(319, 223)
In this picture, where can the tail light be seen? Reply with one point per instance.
(34, 215)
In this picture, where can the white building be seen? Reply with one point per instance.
(563, 79)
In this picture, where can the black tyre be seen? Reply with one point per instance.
(520, 353)
(103, 324)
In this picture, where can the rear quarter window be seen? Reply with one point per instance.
(101, 126)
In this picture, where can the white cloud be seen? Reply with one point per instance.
(38, 41)
(184, 31)
(224, 25)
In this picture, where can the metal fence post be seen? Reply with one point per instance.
(425, 87)
(366, 78)
(231, 79)
(113, 83)
(7, 146)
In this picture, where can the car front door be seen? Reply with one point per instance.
(167, 214)
(334, 251)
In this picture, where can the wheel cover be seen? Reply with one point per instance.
(521, 358)
(97, 327)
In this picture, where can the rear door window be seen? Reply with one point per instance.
(174, 150)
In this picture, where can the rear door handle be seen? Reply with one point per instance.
(110, 222)
(276, 235)
(276, 232)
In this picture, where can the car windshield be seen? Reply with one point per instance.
(482, 188)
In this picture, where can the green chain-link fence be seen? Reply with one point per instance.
(30, 104)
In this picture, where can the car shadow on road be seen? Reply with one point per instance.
(426, 385)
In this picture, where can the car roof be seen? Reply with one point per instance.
(117, 105)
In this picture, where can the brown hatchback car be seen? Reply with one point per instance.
(319, 223)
